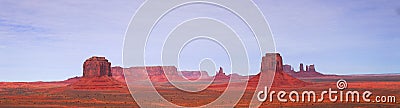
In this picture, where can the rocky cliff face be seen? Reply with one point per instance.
(155, 73)
(271, 62)
(288, 68)
(96, 67)
(274, 62)
(311, 68)
(158, 73)
(310, 71)
(97, 76)
(118, 73)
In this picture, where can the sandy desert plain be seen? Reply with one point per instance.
(59, 94)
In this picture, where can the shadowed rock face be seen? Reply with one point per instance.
(274, 62)
(96, 67)
(301, 67)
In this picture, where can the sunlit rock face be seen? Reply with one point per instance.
(96, 67)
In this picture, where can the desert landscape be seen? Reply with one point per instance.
(104, 86)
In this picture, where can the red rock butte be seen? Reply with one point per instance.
(96, 67)
(271, 61)
(274, 62)
(97, 75)
(309, 72)
(155, 73)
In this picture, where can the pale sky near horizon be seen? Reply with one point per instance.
(47, 40)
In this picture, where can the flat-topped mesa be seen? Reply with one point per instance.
(288, 68)
(117, 71)
(161, 70)
(272, 61)
(155, 73)
(96, 67)
(194, 75)
(97, 76)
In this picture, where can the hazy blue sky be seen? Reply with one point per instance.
(49, 40)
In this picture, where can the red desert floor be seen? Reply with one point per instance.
(60, 94)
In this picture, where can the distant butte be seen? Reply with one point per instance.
(96, 67)
(309, 72)
(274, 62)
(96, 76)
(220, 75)
(195, 75)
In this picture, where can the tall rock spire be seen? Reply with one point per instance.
(301, 67)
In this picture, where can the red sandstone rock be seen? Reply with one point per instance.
(118, 73)
(155, 73)
(194, 75)
(221, 75)
(311, 68)
(238, 78)
(72, 80)
(97, 75)
(301, 67)
(273, 61)
(158, 73)
(287, 68)
(96, 67)
(310, 72)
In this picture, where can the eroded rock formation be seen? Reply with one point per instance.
(96, 67)
(271, 61)
(287, 68)
(97, 76)
(220, 75)
(301, 67)
(274, 62)
(310, 71)
(155, 73)
(118, 73)
(311, 68)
